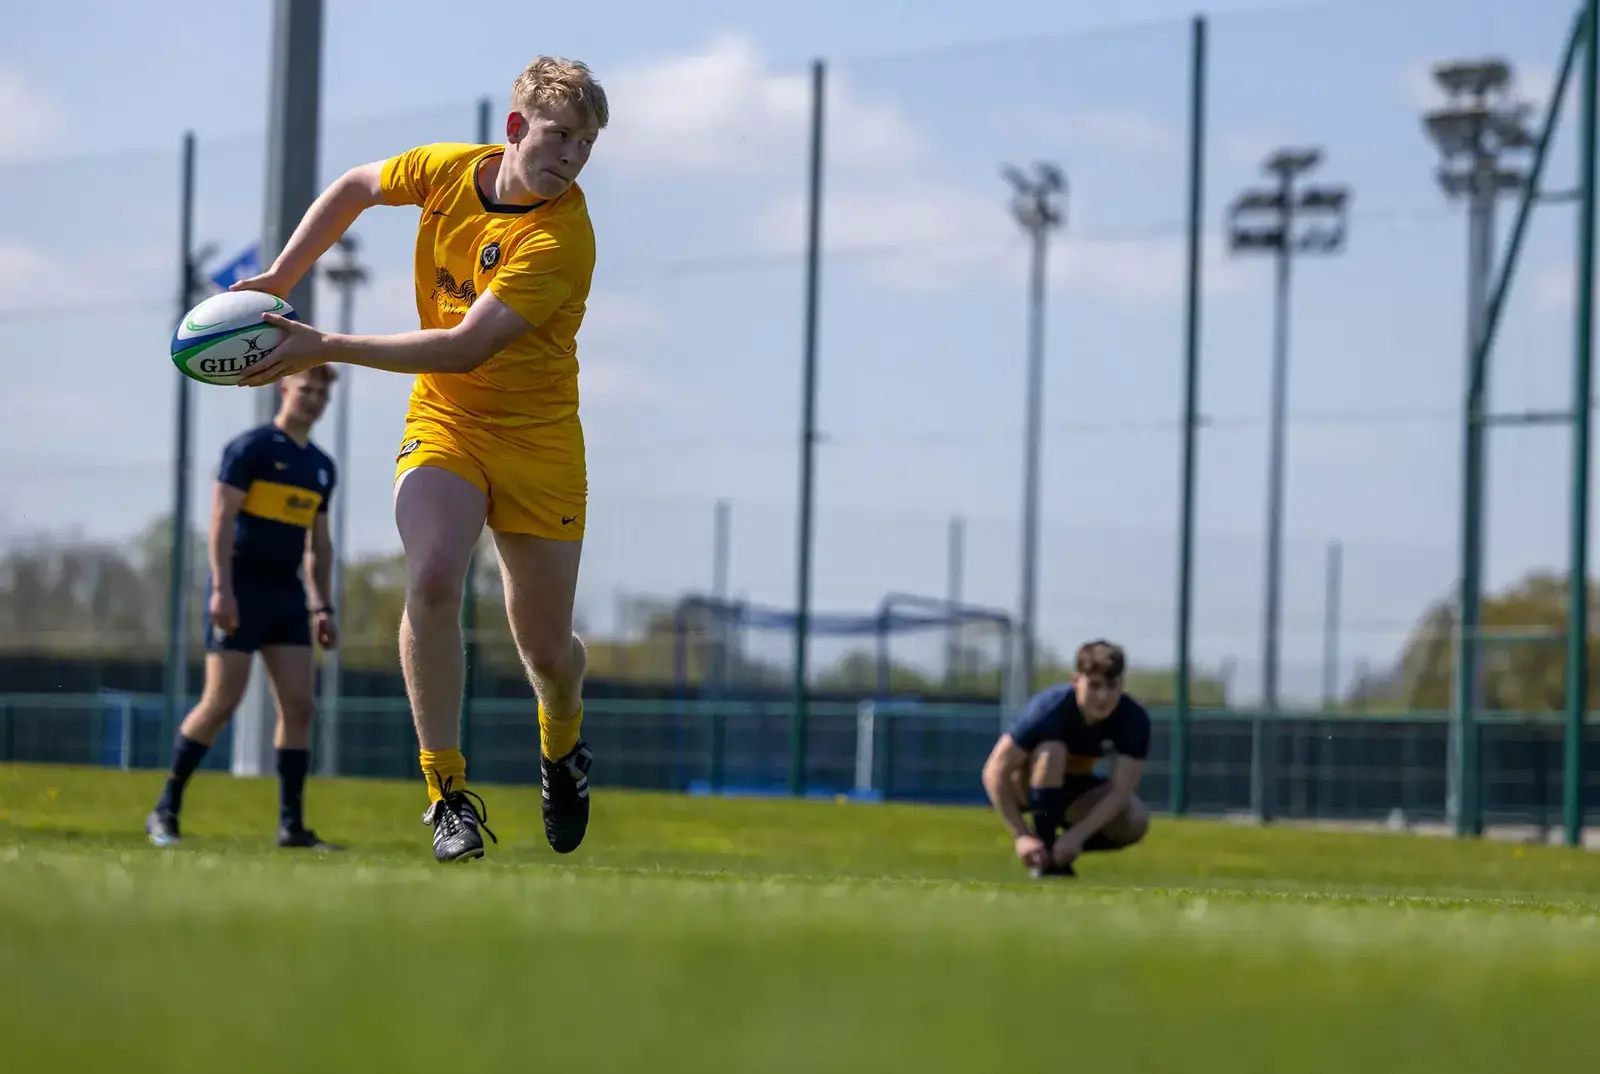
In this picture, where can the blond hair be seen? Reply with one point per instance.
(550, 82)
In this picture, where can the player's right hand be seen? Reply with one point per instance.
(270, 282)
(224, 611)
(1031, 850)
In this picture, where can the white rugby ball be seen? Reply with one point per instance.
(222, 337)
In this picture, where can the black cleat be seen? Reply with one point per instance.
(565, 784)
(162, 828)
(304, 838)
(456, 823)
(1053, 870)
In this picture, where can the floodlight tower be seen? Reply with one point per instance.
(1480, 125)
(1034, 205)
(1283, 220)
(345, 275)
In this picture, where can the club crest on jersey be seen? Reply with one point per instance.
(490, 257)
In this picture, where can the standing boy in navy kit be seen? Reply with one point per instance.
(269, 517)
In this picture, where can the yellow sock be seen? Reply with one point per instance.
(559, 736)
(443, 766)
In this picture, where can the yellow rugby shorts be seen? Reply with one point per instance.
(536, 479)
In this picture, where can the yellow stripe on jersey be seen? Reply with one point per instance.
(1081, 766)
(282, 503)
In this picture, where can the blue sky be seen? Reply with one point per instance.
(691, 351)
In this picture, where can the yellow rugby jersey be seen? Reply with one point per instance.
(539, 260)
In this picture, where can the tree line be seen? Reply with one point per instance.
(64, 595)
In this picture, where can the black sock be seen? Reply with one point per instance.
(186, 757)
(292, 766)
(1100, 841)
(1049, 808)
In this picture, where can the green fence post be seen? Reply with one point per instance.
(1178, 754)
(808, 436)
(1578, 598)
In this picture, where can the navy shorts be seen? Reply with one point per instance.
(270, 613)
(1075, 786)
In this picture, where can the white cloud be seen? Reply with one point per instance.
(915, 236)
(611, 381)
(721, 111)
(27, 117)
(611, 315)
(1149, 272)
(933, 237)
(100, 275)
(891, 205)
(1552, 289)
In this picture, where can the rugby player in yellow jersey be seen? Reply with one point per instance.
(504, 258)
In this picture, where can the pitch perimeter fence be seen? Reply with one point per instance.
(1378, 769)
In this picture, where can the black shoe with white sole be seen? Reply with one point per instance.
(162, 828)
(565, 785)
(304, 839)
(456, 824)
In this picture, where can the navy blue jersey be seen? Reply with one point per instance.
(1052, 715)
(285, 488)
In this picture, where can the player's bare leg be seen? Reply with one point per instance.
(541, 581)
(291, 671)
(440, 516)
(1122, 830)
(227, 675)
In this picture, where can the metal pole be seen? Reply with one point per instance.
(1468, 686)
(1033, 415)
(954, 569)
(293, 135)
(721, 535)
(346, 277)
(1179, 784)
(178, 584)
(1330, 627)
(1572, 796)
(1262, 734)
(808, 435)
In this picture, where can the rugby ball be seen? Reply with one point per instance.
(224, 336)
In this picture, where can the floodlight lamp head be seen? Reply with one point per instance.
(1331, 199)
(1454, 130)
(1290, 162)
(1321, 240)
(1475, 78)
(1244, 239)
(1051, 177)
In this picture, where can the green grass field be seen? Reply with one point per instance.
(766, 936)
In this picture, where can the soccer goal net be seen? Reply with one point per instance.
(929, 672)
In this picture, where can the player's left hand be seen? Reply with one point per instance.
(1066, 849)
(303, 347)
(327, 631)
